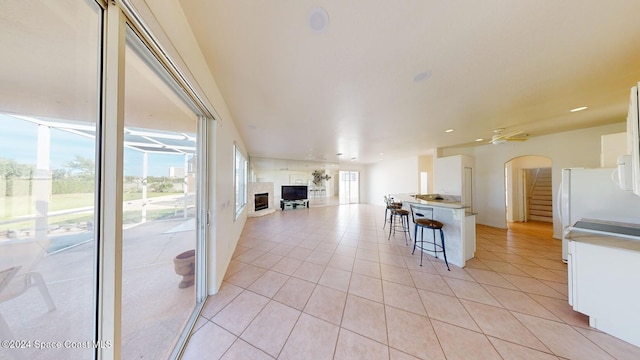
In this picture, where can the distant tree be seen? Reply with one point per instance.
(81, 166)
(10, 170)
(163, 187)
(58, 174)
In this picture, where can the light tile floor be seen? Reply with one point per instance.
(324, 283)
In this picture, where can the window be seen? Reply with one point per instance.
(240, 179)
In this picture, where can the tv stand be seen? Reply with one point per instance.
(293, 203)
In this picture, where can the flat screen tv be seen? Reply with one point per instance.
(294, 192)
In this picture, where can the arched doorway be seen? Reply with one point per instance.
(528, 190)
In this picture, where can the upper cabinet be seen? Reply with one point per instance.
(454, 175)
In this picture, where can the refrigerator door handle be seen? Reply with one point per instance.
(559, 202)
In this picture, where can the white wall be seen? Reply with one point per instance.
(393, 176)
(531, 162)
(580, 148)
(167, 21)
(288, 177)
(226, 228)
(283, 177)
(332, 184)
(613, 146)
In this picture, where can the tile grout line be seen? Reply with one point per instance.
(360, 245)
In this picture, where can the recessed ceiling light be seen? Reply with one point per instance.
(448, 130)
(479, 139)
(381, 154)
(420, 77)
(318, 20)
(353, 159)
(578, 109)
(339, 154)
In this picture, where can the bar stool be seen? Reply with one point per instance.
(390, 205)
(398, 213)
(423, 222)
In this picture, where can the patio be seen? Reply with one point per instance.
(154, 309)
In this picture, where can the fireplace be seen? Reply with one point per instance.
(261, 201)
(260, 197)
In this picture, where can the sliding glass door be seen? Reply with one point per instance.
(79, 275)
(349, 187)
(49, 108)
(159, 209)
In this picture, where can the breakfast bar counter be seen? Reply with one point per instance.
(459, 224)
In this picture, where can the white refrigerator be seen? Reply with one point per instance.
(594, 194)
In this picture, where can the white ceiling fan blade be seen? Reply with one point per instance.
(499, 136)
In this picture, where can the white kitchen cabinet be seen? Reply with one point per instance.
(604, 282)
(454, 175)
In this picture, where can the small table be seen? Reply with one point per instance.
(294, 203)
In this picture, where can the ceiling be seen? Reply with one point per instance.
(296, 93)
(299, 94)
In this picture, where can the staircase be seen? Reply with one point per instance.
(539, 200)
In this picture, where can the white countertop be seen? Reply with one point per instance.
(611, 239)
(447, 204)
(604, 240)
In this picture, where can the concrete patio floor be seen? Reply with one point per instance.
(154, 309)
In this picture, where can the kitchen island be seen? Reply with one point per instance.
(459, 224)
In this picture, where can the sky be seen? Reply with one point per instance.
(18, 142)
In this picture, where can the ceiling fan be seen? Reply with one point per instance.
(500, 138)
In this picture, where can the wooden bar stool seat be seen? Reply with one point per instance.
(421, 221)
(390, 205)
(398, 213)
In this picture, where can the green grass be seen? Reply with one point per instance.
(70, 201)
(17, 206)
(14, 206)
(128, 217)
